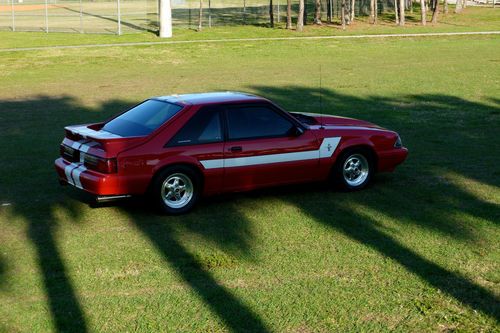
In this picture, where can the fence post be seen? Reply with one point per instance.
(279, 11)
(118, 14)
(81, 17)
(209, 13)
(46, 16)
(13, 15)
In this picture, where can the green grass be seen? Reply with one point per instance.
(471, 19)
(416, 251)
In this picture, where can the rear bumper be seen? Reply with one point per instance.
(96, 183)
(389, 160)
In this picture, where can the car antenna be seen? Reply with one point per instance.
(321, 98)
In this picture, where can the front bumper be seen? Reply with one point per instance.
(389, 160)
(78, 175)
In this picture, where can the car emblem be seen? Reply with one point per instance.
(329, 147)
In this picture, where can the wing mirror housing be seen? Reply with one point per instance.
(297, 131)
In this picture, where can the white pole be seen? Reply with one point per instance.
(119, 17)
(46, 17)
(165, 19)
(13, 15)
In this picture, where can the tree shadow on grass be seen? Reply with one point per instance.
(228, 230)
(30, 133)
(29, 184)
(449, 138)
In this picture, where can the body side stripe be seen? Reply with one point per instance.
(327, 148)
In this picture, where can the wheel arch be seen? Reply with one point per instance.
(195, 168)
(368, 149)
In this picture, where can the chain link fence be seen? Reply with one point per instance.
(127, 16)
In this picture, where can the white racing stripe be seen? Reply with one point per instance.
(327, 148)
(76, 175)
(68, 169)
(74, 170)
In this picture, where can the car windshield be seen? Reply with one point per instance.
(142, 119)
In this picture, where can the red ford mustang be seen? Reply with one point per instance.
(179, 148)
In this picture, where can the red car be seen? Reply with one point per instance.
(181, 147)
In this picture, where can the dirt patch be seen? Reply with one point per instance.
(22, 8)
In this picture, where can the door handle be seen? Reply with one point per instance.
(236, 149)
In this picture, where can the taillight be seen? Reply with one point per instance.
(104, 165)
(68, 153)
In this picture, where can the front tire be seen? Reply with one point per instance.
(354, 170)
(176, 190)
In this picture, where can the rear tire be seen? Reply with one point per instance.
(176, 189)
(354, 169)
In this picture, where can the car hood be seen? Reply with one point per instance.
(328, 120)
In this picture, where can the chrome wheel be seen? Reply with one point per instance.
(177, 190)
(355, 170)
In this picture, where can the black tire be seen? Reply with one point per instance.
(165, 193)
(358, 177)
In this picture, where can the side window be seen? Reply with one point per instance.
(203, 127)
(256, 122)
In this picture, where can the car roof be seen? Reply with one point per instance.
(211, 98)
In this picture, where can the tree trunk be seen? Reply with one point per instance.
(343, 13)
(464, 4)
(423, 14)
(396, 10)
(300, 18)
(435, 12)
(200, 16)
(458, 6)
(317, 12)
(305, 12)
(445, 7)
(271, 13)
(353, 6)
(372, 11)
(289, 14)
(376, 11)
(401, 12)
(329, 11)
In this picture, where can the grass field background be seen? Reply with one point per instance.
(416, 251)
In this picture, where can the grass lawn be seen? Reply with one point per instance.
(416, 251)
(471, 19)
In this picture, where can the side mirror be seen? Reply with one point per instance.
(297, 131)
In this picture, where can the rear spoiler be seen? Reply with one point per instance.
(87, 132)
(92, 133)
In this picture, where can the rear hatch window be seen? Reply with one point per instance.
(142, 119)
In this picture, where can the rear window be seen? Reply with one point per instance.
(142, 119)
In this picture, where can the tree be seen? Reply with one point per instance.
(353, 5)
(200, 16)
(317, 12)
(445, 7)
(289, 14)
(373, 11)
(401, 12)
(300, 18)
(271, 13)
(396, 11)
(435, 11)
(458, 6)
(423, 13)
(343, 13)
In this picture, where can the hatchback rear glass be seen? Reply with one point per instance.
(142, 119)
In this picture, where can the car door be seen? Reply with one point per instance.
(202, 138)
(266, 147)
